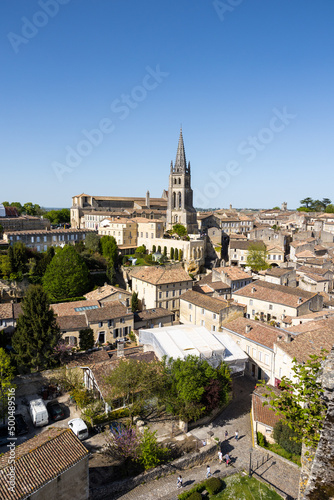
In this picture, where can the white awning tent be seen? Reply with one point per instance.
(180, 341)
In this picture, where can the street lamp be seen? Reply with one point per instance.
(250, 462)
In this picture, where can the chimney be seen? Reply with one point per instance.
(120, 349)
(288, 338)
(300, 300)
(279, 338)
(147, 199)
(248, 328)
(253, 289)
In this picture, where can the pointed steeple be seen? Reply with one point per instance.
(180, 162)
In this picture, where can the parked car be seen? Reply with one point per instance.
(21, 426)
(55, 411)
(4, 438)
(79, 428)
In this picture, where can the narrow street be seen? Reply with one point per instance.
(235, 417)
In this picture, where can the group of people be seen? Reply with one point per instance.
(226, 458)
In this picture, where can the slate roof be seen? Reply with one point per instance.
(279, 294)
(40, 460)
(160, 275)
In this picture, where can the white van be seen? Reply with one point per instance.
(79, 428)
(38, 412)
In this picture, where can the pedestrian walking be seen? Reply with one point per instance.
(227, 459)
(179, 482)
(226, 435)
(220, 456)
(208, 471)
(236, 435)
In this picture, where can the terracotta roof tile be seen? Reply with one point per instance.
(110, 311)
(279, 294)
(202, 300)
(40, 460)
(259, 332)
(69, 308)
(161, 275)
(263, 414)
(74, 322)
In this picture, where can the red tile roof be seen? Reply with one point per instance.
(40, 460)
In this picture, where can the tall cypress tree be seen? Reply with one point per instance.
(37, 332)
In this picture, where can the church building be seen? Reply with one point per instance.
(180, 208)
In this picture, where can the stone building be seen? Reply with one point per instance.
(53, 464)
(180, 208)
(42, 239)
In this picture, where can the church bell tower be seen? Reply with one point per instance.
(180, 208)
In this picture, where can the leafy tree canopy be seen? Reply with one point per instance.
(66, 276)
(6, 376)
(92, 242)
(58, 216)
(109, 248)
(37, 332)
(300, 402)
(257, 257)
(180, 230)
(134, 302)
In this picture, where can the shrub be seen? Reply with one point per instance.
(195, 496)
(284, 436)
(154, 249)
(198, 488)
(261, 440)
(213, 485)
(159, 248)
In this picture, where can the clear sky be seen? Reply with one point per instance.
(93, 93)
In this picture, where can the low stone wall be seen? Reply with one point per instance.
(199, 457)
(279, 457)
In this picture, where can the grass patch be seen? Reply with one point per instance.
(244, 488)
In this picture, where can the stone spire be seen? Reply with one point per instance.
(180, 162)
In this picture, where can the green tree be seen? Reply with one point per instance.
(37, 333)
(151, 454)
(165, 252)
(307, 202)
(19, 257)
(172, 253)
(1, 230)
(111, 272)
(154, 249)
(257, 257)
(300, 403)
(184, 383)
(325, 202)
(181, 254)
(276, 208)
(31, 209)
(180, 230)
(141, 249)
(66, 276)
(286, 437)
(176, 254)
(6, 386)
(86, 338)
(134, 302)
(109, 248)
(92, 242)
(159, 248)
(131, 382)
(317, 206)
(329, 209)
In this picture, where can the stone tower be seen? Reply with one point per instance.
(180, 208)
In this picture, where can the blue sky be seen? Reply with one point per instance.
(93, 94)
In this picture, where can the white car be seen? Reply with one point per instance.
(79, 428)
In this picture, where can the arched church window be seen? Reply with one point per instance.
(180, 200)
(174, 200)
(179, 180)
